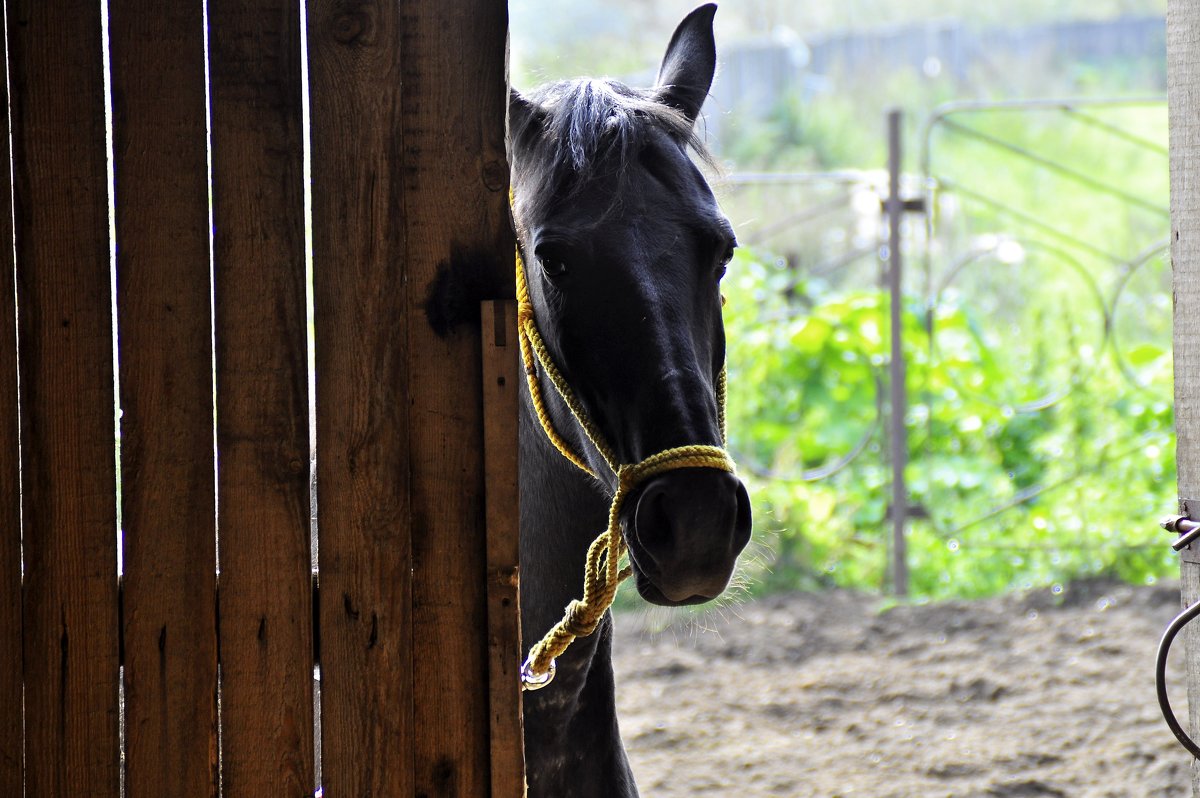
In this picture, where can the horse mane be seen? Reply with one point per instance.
(589, 128)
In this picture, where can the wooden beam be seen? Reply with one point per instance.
(70, 627)
(165, 346)
(265, 591)
(1183, 93)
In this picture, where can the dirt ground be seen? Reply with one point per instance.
(826, 695)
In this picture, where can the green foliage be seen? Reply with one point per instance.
(1013, 498)
(1036, 338)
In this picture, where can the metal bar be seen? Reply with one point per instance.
(1113, 130)
(1047, 548)
(896, 371)
(983, 106)
(976, 106)
(1188, 530)
(1055, 167)
(788, 178)
(846, 258)
(1032, 221)
(1032, 493)
(808, 214)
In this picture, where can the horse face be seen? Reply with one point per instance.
(624, 252)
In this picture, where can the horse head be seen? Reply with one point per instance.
(625, 246)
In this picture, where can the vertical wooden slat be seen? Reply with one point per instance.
(455, 196)
(12, 774)
(1183, 95)
(61, 195)
(163, 301)
(265, 625)
(360, 291)
(500, 407)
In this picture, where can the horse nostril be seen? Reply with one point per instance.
(744, 520)
(688, 528)
(652, 521)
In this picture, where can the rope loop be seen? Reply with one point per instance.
(603, 573)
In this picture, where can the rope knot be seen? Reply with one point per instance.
(524, 313)
(581, 620)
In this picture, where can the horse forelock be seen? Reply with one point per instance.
(592, 128)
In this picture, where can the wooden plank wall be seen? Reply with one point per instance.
(70, 635)
(216, 618)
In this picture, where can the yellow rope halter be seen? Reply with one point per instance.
(603, 572)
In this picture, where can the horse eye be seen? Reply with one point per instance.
(553, 267)
(724, 262)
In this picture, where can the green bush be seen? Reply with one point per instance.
(1013, 497)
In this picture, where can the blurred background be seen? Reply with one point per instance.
(1036, 287)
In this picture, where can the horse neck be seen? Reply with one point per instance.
(573, 745)
(562, 511)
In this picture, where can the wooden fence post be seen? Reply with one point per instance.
(1183, 92)
(501, 386)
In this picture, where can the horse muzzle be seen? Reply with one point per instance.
(685, 533)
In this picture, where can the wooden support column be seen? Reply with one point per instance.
(501, 386)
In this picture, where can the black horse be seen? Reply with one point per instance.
(624, 246)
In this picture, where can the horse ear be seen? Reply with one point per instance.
(523, 115)
(687, 69)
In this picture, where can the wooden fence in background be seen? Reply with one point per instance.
(172, 680)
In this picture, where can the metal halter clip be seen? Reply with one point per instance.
(531, 681)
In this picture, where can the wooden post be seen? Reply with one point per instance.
(1183, 94)
(165, 344)
(897, 381)
(262, 399)
(70, 628)
(501, 383)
